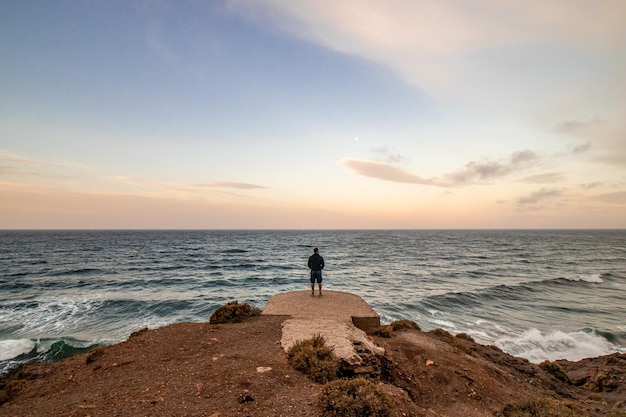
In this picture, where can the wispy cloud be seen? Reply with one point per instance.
(384, 155)
(386, 172)
(579, 127)
(17, 165)
(539, 196)
(591, 185)
(547, 178)
(230, 184)
(485, 171)
(604, 137)
(472, 173)
(618, 197)
(425, 41)
(180, 187)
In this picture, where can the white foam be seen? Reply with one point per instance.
(444, 323)
(10, 349)
(51, 318)
(537, 347)
(593, 278)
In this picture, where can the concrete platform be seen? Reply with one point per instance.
(332, 305)
(340, 317)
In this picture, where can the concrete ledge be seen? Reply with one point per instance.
(340, 317)
(333, 304)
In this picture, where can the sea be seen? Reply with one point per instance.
(537, 294)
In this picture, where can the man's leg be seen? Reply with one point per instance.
(312, 287)
(320, 287)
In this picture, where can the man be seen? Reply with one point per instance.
(316, 264)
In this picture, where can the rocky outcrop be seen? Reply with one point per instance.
(239, 369)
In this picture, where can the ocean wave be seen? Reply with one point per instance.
(511, 292)
(538, 347)
(12, 348)
(48, 317)
(78, 271)
(235, 251)
(14, 352)
(593, 278)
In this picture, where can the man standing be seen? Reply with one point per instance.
(316, 264)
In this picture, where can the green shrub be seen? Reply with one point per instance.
(315, 359)
(542, 408)
(233, 312)
(353, 398)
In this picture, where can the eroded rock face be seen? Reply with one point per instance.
(344, 337)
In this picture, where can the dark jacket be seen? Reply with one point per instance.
(316, 262)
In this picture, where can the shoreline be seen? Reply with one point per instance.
(238, 369)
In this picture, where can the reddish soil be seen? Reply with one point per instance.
(201, 369)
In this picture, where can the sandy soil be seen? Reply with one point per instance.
(239, 369)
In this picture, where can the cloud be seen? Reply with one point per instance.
(591, 185)
(538, 196)
(618, 197)
(605, 137)
(578, 127)
(472, 173)
(475, 172)
(386, 172)
(547, 178)
(233, 185)
(12, 157)
(383, 155)
(425, 41)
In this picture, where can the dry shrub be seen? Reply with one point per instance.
(404, 324)
(381, 331)
(14, 381)
(445, 336)
(315, 359)
(606, 381)
(556, 370)
(466, 336)
(387, 330)
(233, 312)
(542, 408)
(353, 398)
(10, 388)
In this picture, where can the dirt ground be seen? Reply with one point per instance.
(239, 369)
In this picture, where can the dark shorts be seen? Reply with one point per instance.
(316, 276)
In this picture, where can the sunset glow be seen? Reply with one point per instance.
(264, 114)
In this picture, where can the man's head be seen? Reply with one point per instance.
(315, 250)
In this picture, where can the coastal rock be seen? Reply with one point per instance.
(341, 336)
(170, 372)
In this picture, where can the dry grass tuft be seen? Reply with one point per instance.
(381, 331)
(353, 398)
(455, 341)
(547, 407)
(404, 324)
(315, 359)
(606, 381)
(556, 370)
(233, 312)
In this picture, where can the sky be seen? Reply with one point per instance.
(312, 114)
